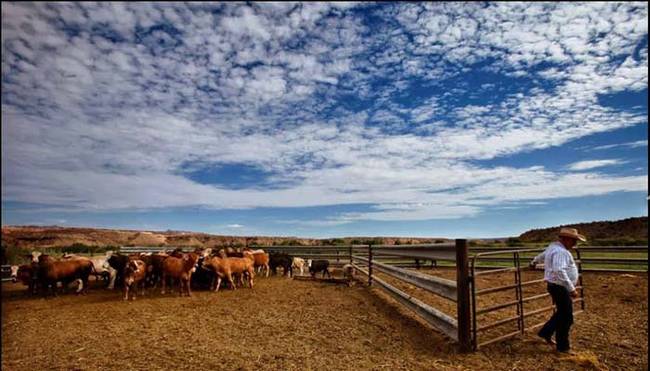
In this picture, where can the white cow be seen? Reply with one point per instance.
(298, 263)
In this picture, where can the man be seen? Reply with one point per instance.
(561, 276)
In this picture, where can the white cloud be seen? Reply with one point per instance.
(592, 164)
(635, 144)
(110, 118)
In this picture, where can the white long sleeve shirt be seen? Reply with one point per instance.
(559, 266)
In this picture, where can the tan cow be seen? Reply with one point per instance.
(261, 262)
(229, 267)
(181, 269)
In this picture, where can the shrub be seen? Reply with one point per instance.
(14, 255)
(513, 241)
(77, 248)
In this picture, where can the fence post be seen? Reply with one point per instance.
(519, 292)
(369, 264)
(582, 286)
(350, 251)
(462, 304)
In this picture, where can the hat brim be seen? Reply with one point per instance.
(574, 236)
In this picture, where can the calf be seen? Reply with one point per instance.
(316, 266)
(298, 263)
(348, 273)
(134, 276)
(181, 269)
(281, 260)
(51, 271)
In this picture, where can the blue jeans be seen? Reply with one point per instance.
(561, 321)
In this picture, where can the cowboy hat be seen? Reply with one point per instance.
(572, 233)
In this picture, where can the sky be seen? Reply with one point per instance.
(458, 120)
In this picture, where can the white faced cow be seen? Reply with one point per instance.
(34, 256)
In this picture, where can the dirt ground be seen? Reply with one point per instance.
(284, 324)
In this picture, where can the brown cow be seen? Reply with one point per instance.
(261, 260)
(227, 267)
(154, 268)
(134, 275)
(51, 271)
(181, 269)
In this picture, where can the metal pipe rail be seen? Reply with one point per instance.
(6, 273)
(638, 248)
(433, 253)
(439, 286)
(439, 320)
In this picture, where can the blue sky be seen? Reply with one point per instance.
(324, 120)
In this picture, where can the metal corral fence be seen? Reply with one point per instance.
(471, 327)
(594, 258)
(471, 322)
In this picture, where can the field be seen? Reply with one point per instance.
(295, 325)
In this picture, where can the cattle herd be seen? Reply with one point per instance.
(204, 269)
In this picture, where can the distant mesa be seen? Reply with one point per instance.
(55, 237)
(630, 231)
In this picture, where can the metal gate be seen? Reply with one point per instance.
(515, 287)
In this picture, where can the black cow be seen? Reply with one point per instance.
(281, 260)
(202, 278)
(154, 270)
(118, 262)
(316, 266)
